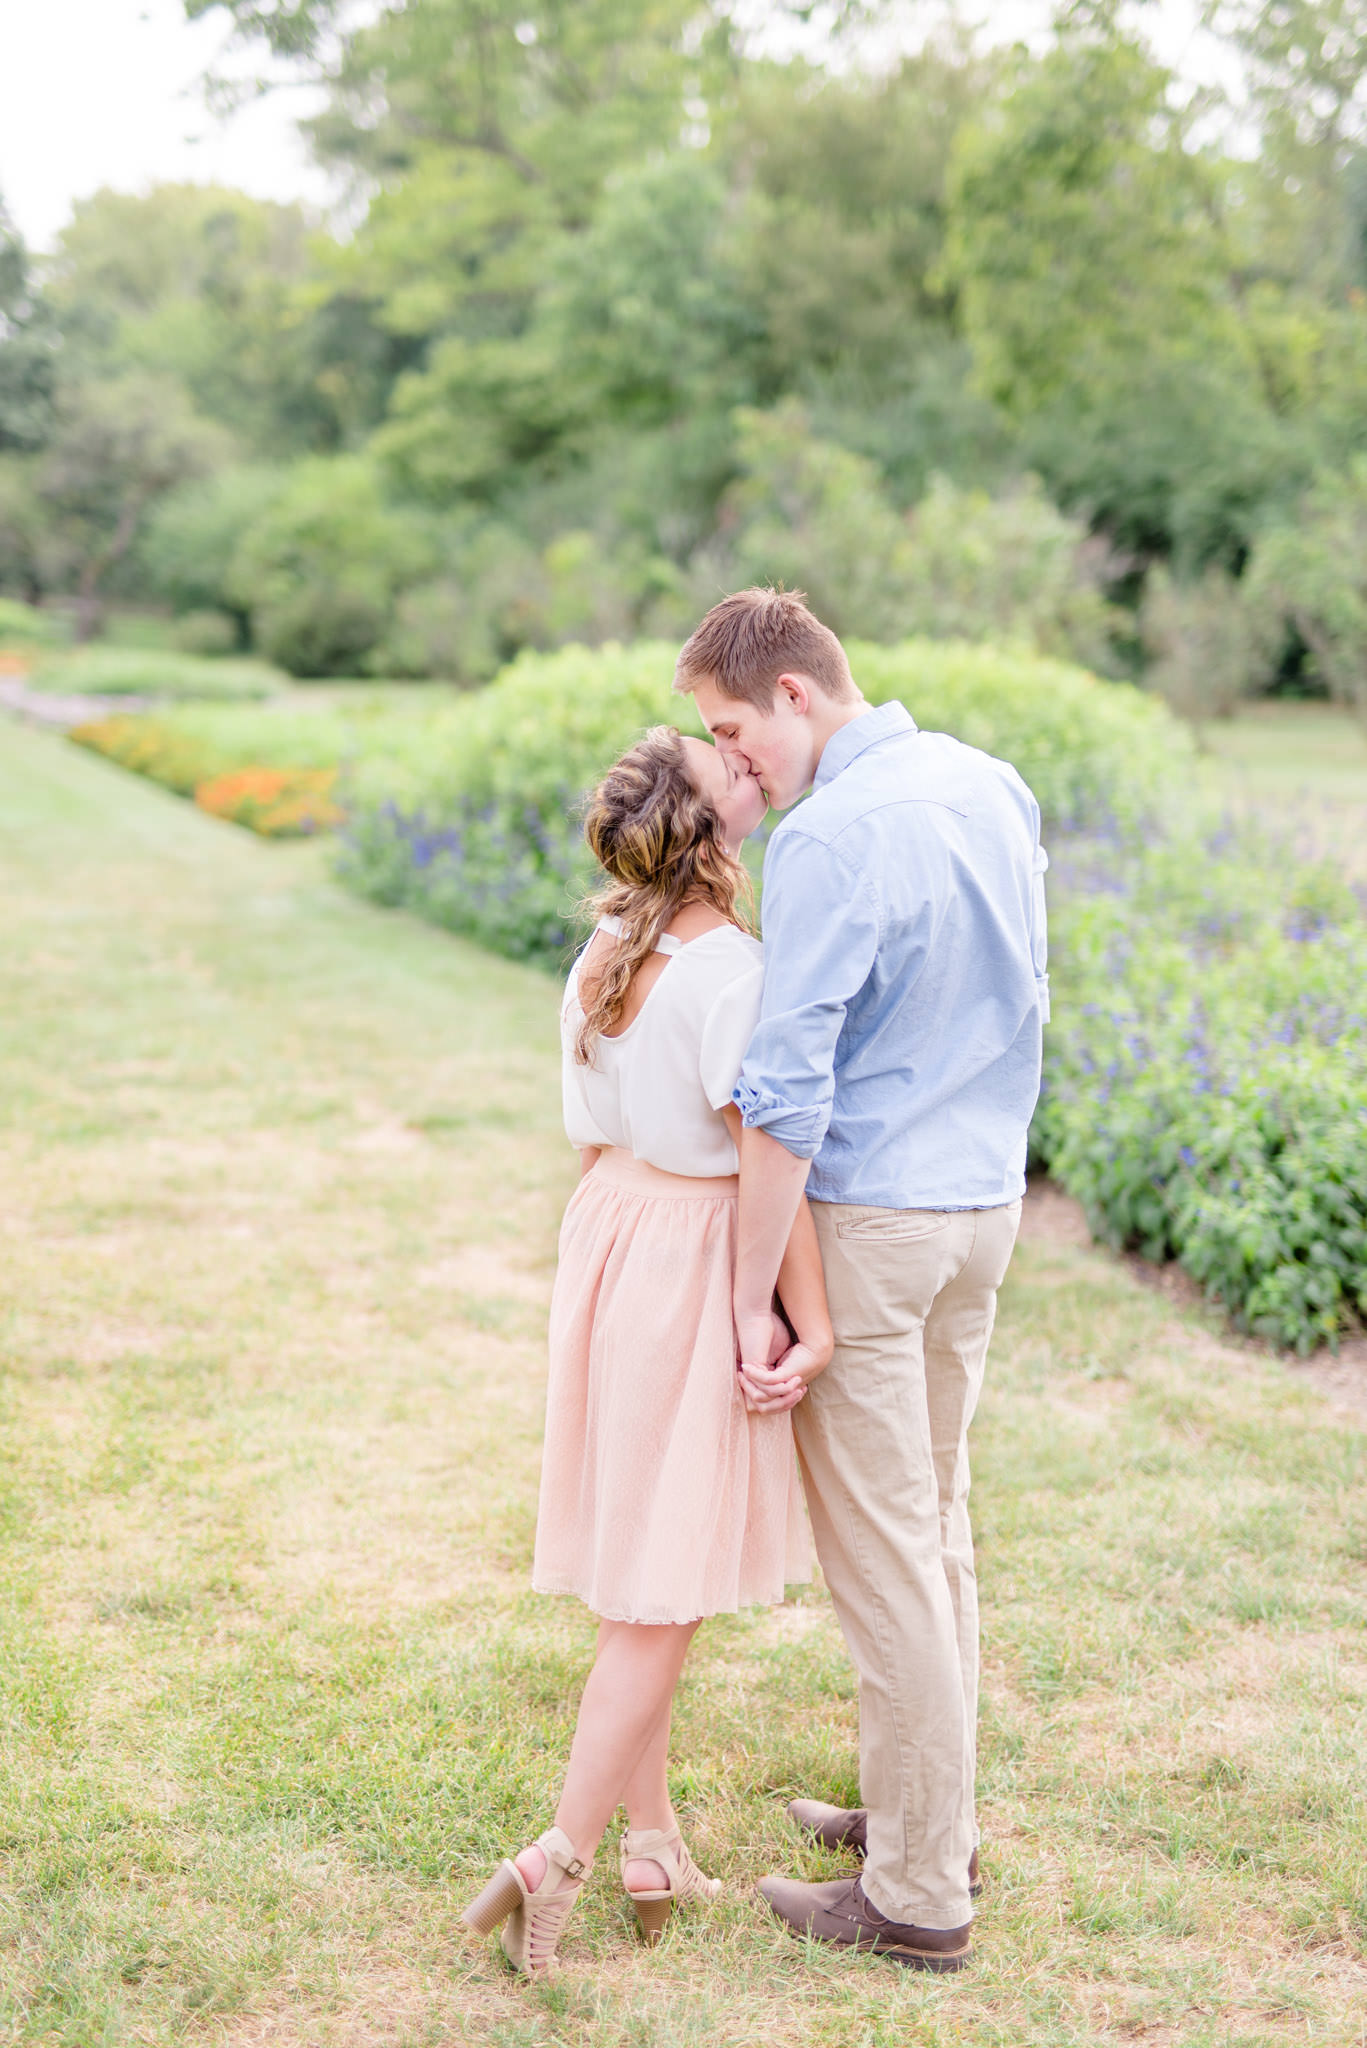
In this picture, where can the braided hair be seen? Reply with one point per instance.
(661, 845)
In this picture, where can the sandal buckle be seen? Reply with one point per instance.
(574, 1868)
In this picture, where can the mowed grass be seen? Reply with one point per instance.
(281, 1178)
(1302, 768)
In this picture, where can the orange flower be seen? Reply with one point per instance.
(277, 802)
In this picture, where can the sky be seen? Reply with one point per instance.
(108, 92)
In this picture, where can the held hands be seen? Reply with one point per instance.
(774, 1372)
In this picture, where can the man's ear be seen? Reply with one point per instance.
(796, 690)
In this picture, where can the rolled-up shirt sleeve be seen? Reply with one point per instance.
(1039, 932)
(821, 927)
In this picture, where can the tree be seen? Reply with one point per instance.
(117, 446)
(320, 569)
(227, 294)
(32, 560)
(192, 536)
(1006, 568)
(1308, 576)
(808, 512)
(1206, 640)
(1088, 240)
(28, 348)
(1302, 213)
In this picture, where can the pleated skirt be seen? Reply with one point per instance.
(663, 1498)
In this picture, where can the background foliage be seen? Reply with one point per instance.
(627, 312)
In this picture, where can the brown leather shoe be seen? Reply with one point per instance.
(835, 1827)
(847, 1827)
(840, 1914)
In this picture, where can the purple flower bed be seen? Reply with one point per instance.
(1206, 1074)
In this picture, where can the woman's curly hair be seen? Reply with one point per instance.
(661, 844)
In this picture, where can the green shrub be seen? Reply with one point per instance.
(321, 629)
(1206, 1072)
(1307, 577)
(320, 569)
(208, 633)
(473, 824)
(1207, 643)
(1091, 752)
(102, 671)
(960, 565)
(192, 535)
(23, 625)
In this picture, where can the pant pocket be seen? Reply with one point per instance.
(893, 1226)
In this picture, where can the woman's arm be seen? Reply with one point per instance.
(802, 1288)
(589, 1156)
(800, 1294)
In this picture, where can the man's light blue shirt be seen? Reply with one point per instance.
(905, 983)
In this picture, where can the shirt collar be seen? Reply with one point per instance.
(848, 742)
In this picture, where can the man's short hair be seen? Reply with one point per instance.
(752, 638)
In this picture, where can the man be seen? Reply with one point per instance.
(897, 1059)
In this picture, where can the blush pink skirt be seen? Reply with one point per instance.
(663, 1498)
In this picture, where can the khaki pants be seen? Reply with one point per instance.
(883, 1441)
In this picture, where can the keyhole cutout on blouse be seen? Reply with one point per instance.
(647, 974)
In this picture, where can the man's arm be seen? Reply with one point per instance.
(771, 1184)
(801, 1295)
(821, 930)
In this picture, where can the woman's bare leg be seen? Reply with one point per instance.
(623, 1729)
(647, 1801)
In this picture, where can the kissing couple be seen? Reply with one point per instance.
(802, 1170)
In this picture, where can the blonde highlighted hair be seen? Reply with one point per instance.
(661, 844)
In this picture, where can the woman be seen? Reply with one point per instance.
(669, 1487)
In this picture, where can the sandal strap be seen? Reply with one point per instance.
(666, 1847)
(559, 1850)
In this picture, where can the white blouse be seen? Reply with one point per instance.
(658, 1088)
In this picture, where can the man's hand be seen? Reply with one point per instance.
(779, 1381)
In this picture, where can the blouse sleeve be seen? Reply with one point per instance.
(727, 1031)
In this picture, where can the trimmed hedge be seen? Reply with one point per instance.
(1092, 752)
(475, 825)
(100, 670)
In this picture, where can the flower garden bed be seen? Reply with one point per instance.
(1206, 1072)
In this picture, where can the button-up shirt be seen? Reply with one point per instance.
(905, 985)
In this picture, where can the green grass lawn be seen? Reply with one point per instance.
(1302, 764)
(280, 1186)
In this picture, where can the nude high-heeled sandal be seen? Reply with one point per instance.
(533, 1920)
(683, 1879)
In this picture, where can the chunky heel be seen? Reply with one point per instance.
(652, 1910)
(500, 1896)
(533, 1921)
(683, 1879)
